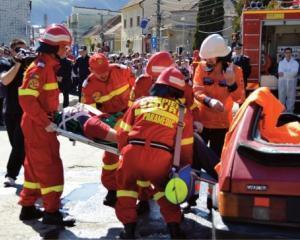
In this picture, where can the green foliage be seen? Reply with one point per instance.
(210, 19)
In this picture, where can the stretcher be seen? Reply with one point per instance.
(112, 148)
(104, 145)
(70, 116)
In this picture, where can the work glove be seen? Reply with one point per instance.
(216, 105)
(51, 127)
(198, 126)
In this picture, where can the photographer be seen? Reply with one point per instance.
(4, 66)
(12, 78)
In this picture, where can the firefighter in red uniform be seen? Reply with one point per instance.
(156, 64)
(107, 88)
(38, 97)
(146, 139)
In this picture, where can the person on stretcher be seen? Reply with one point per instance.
(87, 121)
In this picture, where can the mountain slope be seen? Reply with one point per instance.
(59, 10)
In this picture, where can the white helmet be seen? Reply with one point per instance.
(214, 46)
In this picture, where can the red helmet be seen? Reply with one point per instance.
(158, 62)
(172, 77)
(99, 63)
(56, 35)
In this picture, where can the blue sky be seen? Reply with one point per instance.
(58, 10)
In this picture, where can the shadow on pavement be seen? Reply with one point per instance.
(45, 231)
(52, 232)
(112, 233)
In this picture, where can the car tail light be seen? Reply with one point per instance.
(259, 208)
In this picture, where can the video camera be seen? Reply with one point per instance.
(27, 56)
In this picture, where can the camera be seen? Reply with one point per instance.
(27, 56)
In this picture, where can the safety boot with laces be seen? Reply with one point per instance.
(30, 213)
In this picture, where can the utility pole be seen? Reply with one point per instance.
(45, 20)
(158, 25)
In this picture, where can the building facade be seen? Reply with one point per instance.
(132, 35)
(14, 20)
(178, 19)
(106, 36)
(178, 25)
(83, 19)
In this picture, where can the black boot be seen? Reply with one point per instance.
(142, 207)
(175, 231)
(30, 213)
(110, 198)
(128, 231)
(56, 218)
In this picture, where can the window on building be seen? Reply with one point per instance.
(125, 23)
(138, 21)
(131, 22)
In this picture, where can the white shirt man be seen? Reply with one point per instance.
(287, 72)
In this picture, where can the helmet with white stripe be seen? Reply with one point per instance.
(172, 77)
(158, 62)
(56, 35)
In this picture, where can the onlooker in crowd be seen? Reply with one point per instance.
(235, 39)
(287, 82)
(217, 83)
(7, 53)
(64, 77)
(12, 79)
(81, 68)
(243, 61)
(196, 60)
(137, 67)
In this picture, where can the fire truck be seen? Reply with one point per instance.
(265, 35)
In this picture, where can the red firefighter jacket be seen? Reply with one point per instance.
(154, 119)
(39, 93)
(112, 95)
(143, 84)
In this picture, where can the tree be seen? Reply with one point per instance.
(210, 19)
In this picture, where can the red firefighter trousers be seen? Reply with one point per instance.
(143, 164)
(43, 167)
